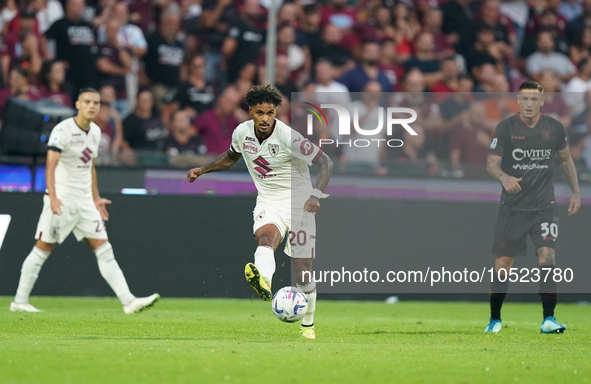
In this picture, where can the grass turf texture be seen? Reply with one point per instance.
(90, 340)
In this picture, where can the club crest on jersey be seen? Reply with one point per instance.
(546, 135)
(273, 149)
(250, 148)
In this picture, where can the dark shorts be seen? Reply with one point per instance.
(514, 226)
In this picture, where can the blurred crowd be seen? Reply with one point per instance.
(173, 73)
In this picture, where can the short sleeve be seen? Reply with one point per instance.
(52, 31)
(235, 146)
(303, 149)
(498, 143)
(561, 140)
(59, 139)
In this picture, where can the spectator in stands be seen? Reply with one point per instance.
(503, 27)
(29, 7)
(192, 96)
(576, 26)
(19, 87)
(458, 21)
(8, 11)
(131, 38)
(75, 45)
(48, 12)
(338, 13)
(468, 144)
(575, 89)
(485, 49)
(52, 83)
(182, 140)
(366, 159)
(554, 105)
(570, 9)
(283, 80)
(450, 73)
(141, 14)
(164, 57)
(433, 22)
(581, 48)
(325, 79)
(215, 21)
(405, 22)
(244, 42)
(489, 113)
(425, 59)
(546, 58)
(113, 64)
(143, 129)
(383, 26)
(299, 60)
(110, 120)
(22, 47)
(330, 48)
(389, 62)
(216, 125)
(357, 78)
(485, 77)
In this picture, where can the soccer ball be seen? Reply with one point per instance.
(289, 304)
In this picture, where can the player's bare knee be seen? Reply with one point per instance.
(547, 257)
(503, 264)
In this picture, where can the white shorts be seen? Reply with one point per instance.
(82, 217)
(300, 227)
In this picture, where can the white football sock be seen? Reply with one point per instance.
(29, 273)
(310, 291)
(112, 273)
(264, 259)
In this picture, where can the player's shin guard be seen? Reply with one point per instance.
(112, 273)
(548, 294)
(29, 273)
(310, 291)
(264, 259)
(498, 291)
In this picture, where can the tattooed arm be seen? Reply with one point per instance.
(220, 163)
(510, 183)
(570, 174)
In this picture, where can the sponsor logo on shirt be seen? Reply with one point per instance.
(529, 167)
(250, 148)
(248, 138)
(306, 147)
(515, 137)
(532, 154)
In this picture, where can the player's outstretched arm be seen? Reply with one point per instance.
(570, 174)
(325, 167)
(220, 163)
(510, 183)
(53, 156)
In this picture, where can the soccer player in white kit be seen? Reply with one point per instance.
(278, 158)
(72, 203)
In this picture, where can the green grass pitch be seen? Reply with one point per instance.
(90, 340)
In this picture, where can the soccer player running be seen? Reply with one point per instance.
(278, 158)
(522, 158)
(72, 203)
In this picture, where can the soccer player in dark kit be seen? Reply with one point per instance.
(522, 158)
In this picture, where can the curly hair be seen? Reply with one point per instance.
(260, 94)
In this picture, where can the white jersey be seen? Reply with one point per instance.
(279, 164)
(78, 149)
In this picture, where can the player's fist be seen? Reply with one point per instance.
(56, 206)
(193, 174)
(312, 205)
(511, 184)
